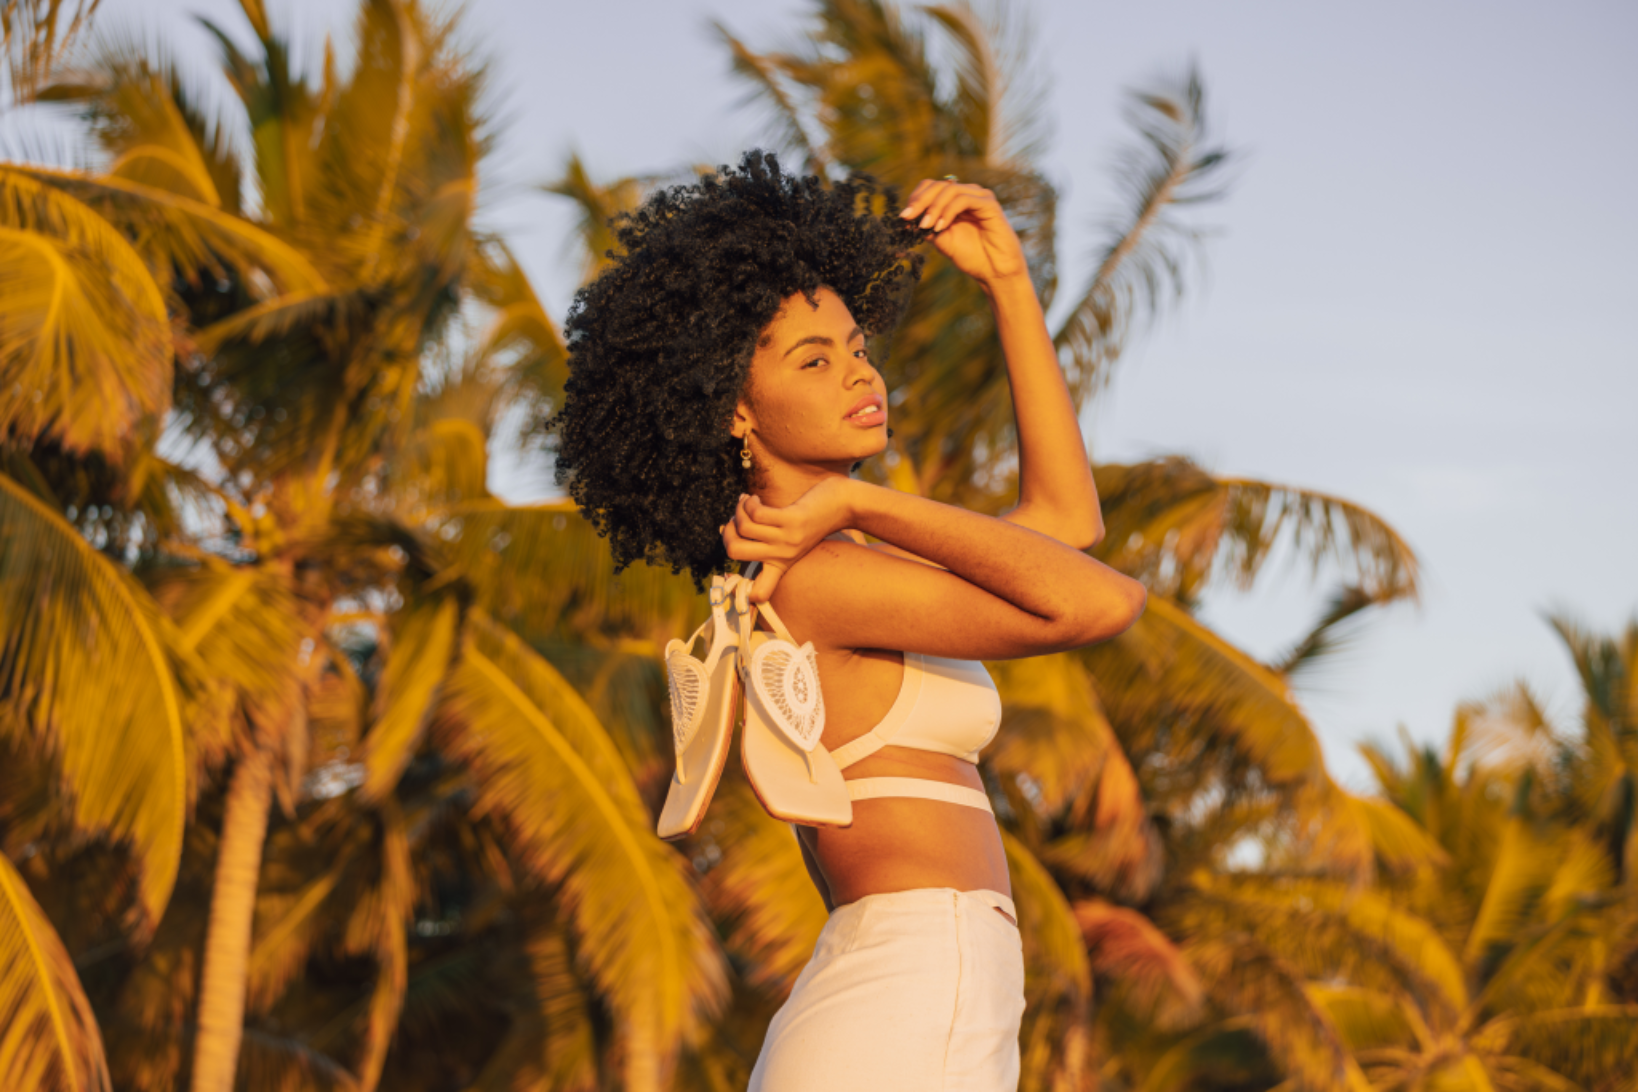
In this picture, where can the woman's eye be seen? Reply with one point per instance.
(815, 360)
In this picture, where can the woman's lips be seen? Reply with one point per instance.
(868, 420)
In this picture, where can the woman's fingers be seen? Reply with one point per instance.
(767, 578)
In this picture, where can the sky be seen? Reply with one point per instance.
(1420, 293)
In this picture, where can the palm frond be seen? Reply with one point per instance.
(597, 205)
(1371, 1019)
(278, 317)
(520, 336)
(999, 120)
(1146, 259)
(551, 771)
(173, 230)
(759, 888)
(48, 1034)
(1169, 656)
(1055, 958)
(765, 79)
(271, 1062)
(544, 566)
(1587, 1045)
(1327, 929)
(1175, 527)
(1522, 869)
(84, 338)
(1154, 977)
(420, 646)
(84, 661)
(35, 36)
(140, 114)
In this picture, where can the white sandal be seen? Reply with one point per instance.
(790, 771)
(704, 698)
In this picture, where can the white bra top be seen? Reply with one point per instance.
(950, 707)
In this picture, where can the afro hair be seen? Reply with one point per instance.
(660, 343)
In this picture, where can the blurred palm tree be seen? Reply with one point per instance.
(250, 555)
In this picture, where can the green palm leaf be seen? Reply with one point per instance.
(48, 1034)
(549, 768)
(84, 338)
(83, 658)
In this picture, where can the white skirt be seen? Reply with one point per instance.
(909, 991)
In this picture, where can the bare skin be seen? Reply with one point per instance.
(942, 581)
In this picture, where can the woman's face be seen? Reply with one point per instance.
(814, 398)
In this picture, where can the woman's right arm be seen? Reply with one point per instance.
(1008, 591)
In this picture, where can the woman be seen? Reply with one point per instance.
(721, 391)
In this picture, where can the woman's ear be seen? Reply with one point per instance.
(744, 423)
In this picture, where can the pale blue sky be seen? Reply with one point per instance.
(1423, 296)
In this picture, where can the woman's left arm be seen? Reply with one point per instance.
(1056, 494)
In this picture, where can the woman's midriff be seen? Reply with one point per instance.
(903, 843)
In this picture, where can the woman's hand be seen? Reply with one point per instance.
(779, 537)
(972, 230)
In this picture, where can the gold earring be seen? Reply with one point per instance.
(745, 454)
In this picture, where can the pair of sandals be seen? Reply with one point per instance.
(777, 684)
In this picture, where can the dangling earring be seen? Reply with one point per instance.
(745, 454)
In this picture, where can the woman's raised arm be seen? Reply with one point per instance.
(1056, 494)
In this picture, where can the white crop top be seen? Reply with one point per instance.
(950, 707)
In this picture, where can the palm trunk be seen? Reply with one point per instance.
(227, 938)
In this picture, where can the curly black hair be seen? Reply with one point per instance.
(660, 343)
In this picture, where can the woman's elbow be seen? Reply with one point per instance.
(1119, 605)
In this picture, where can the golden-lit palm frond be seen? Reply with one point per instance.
(1153, 976)
(520, 337)
(999, 121)
(1354, 833)
(85, 662)
(755, 881)
(767, 81)
(49, 1037)
(550, 770)
(1327, 929)
(1055, 958)
(37, 35)
(1587, 1045)
(1053, 729)
(1519, 875)
(278, 317)
(1256, 981)
(1225, 1051)
(85, 346)
(1174, 526)
(1170, 658)
(1053, 1041)
(271, 1062)
(175, 231)
(420, 643)
(542, 565)
(446, 462)
(569, 1042)
(137, 110)
(1372, 1019)
(1146, 259)
(597, 205)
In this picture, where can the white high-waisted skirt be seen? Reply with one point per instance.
(908, 991)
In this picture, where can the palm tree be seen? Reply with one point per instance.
(333, 359)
